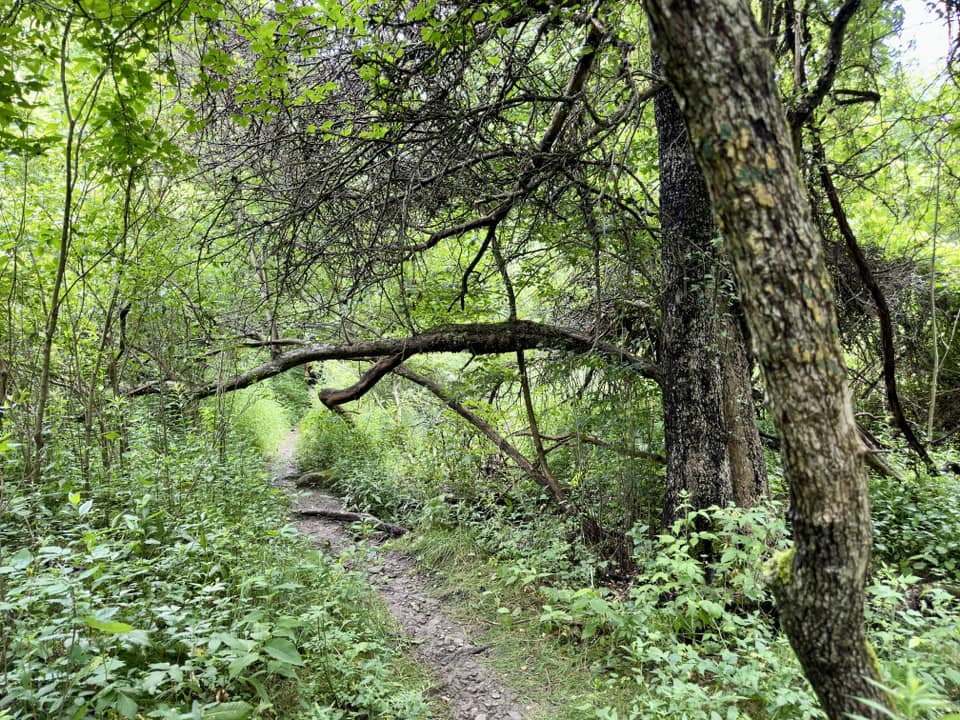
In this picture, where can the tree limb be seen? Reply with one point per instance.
(344, 516)
(332, 397)
(547, 482)
(804, 108)
(476, 338)
(883, 310)
(561, 440)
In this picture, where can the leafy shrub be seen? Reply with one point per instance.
(916, 524)
(174, 591)
(697, 649)
(356, 463)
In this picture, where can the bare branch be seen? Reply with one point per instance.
(547, 482)
(331, 398)
(477, 338)
(888, 350)
(804, 108)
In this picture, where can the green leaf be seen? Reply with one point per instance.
(21, 559)
(284, 651)
(127, 706)
(111, 627)
(238, 710)
(241, 663)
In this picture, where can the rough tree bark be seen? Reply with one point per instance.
(748, 469)
(719, 68)
(694, 428)
(712, 443)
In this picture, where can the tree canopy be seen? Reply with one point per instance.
(653, 258)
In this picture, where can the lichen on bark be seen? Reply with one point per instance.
(743, 145)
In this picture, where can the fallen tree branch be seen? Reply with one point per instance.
(561, 440)
(873, 456)
(331, 398)
(888, 351)
(475, 338)
(344, 516)
(547, 482)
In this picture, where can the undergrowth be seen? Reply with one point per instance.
(171, 588)
(670, 643)
(687, 635)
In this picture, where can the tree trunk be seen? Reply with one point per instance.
(721, 71)
(713, 446)
(694, 428)
(748, 469)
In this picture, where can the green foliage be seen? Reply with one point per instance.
(262, 417)
(696, 649)
(293, 394)
(916, 526)
(175, 591)
(356, 462)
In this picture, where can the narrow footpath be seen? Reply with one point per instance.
(470, 688)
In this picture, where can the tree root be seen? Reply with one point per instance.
(350, 517)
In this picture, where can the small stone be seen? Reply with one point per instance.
(514, 715)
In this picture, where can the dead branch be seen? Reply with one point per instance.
(547, 482)
(561, 440)
(351, 517)
(332, 397)
(477, 338)
(888, 351)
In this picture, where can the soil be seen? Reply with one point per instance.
(469, 688)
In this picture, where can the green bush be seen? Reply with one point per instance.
(693, 648)
(357, 464)
(917, 525)
(174, 591)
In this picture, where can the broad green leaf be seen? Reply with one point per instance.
(238, 710)
(127, 706)
(111, 627)
(284, 651)
(241, 663)
(21, 559)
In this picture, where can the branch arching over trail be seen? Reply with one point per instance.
(888, 351)
(541, 478)
(476, 338)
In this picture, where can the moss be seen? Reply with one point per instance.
(874, 660)
(781, 564)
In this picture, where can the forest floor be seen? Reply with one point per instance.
(467, 686)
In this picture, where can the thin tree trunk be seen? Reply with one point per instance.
(887, 349)
(719, 67)
(53, 312)
(935, 373)
(748, 470)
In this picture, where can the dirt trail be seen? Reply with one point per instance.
(470, 689)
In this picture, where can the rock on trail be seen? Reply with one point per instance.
(469, 688)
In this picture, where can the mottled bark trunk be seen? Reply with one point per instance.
(694, 428)
(712, 443)
(748, 471)
(720, 69)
